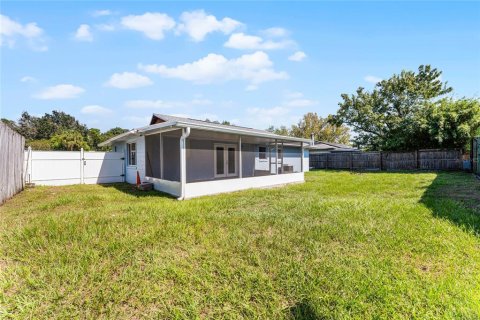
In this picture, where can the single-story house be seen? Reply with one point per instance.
(189, 158)
(322, 146)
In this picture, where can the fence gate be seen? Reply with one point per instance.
(57, 168)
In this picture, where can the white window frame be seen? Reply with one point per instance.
(129, 154)
(225, 160)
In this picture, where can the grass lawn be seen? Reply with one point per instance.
(342, 245)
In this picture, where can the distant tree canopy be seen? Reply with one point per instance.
(409, 111)
(321, 129)
(59, 131)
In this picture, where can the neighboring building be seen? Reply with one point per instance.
(322, 146)
(189, 158)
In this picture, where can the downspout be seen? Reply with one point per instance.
(183, 164)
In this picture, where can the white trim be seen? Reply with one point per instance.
(171, 187)
(197, 189)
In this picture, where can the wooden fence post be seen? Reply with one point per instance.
(416, 160)
(381, 161)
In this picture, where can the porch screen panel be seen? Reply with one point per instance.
(171, 158)
(248, 160)
(220, 160)
(231, 161)
(152, 156)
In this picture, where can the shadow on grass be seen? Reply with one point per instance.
(455, 196)
(452, 195)
(132, 190)
(303, 310)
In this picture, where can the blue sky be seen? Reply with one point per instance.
(255, 64)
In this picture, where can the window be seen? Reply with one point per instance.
(280, 153)
(262, 153)
(132, 154)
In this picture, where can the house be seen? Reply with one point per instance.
(322, 146)
(189, 158)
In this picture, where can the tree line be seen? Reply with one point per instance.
(60, 131)
(408, 111)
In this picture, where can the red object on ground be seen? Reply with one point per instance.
(138, 179)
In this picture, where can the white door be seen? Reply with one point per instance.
(225, 160)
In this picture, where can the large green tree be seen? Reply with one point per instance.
(447, 123)
(387, 118)
(321, 129)
(69, 140)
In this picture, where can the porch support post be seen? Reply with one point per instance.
(283, 154)
(183, 161)
(161, 156)
(276, 156)
(301, 158)
(240, 169)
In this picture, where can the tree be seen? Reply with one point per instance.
(321, 129)
(94, 137)
(27, 126)
(112, 133)
(69, 140)
(37, 128)
(448, 123)
(282, 130)
(10, 123)
(387, 117)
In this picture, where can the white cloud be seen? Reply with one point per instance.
(138, 121)
(160, 104)
(128, 80)
(372, 79)
(249, 42)
(10, 30)
(83, 33)
(105, 27)
(147, 104)
(297, 100)
(153, 25)
(294, 95)
(255, 68)
(28, 79)
(95, 110)
(275, 32)
(301, 103)
(61, 91)
(197, 24)
(101, 13)
(297, 56)
(268, 112)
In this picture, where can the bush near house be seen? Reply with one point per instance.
(342, 245)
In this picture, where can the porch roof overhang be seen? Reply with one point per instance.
(169, 125)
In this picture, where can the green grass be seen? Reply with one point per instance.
(342, 245)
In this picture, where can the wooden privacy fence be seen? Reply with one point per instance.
(416, 160)
(11, 162)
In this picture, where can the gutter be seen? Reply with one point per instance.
(183, 164)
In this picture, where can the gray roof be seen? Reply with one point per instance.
(180, 122)
(330, 146)
(203, 122)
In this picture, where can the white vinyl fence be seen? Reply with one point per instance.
(57, 168)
